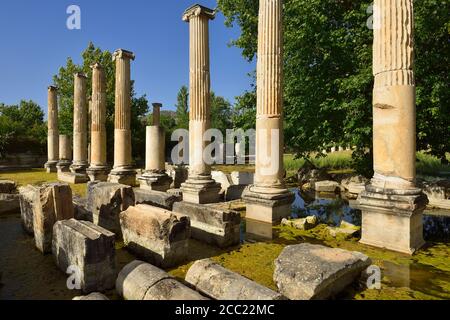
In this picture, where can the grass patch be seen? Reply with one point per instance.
(37, 177)
(337, 161)
(429, 165)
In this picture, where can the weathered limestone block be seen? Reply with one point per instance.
(28, 196)
(179, 174)
(92, 297)
(310, 272)
(326, 186)
(219, 283)
(355, 185)
(301, 224)
(73, 178)
(176, 193)
(242, 178)
(90, 249)
(106, 201)
(208, 224)
(235, 192)
(155, 198)
(81, 211)
(9, 199)
(51, 203)
(9, 203)
(156, 235)
(311, 174)
(222, 178)
(346, 229)
(438, 193)
(142, 281)
(8, 186)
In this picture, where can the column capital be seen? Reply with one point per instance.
(52, 88)
(198, 10)
(157, 105)
(80, 75)
(123, 54)
(96, 66)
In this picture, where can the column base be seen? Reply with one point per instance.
(123, 176)
(98, 173)
(201, 190)
(50, 166)
(63, 166)
(79, 167)
(155, 181)
(268, 205)
(393, 219)
(72, 178)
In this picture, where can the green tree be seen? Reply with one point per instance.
(22, 128)
(182, 108)
(139, 105)
(328, 73)
(221, 113)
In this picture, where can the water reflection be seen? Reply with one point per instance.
(332, 209)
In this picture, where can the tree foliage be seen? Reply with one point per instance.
(328, 73)
(22, 128)
(182, 108)
(64, 80)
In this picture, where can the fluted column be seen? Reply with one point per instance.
(269, 170)
(268, 200)
(65, 153)
(123, 171)
(80, 114)
(98, 170)
(394, 100)
(155, 176)
(199, 90)
(195, 189)
(392, 206)
(53, 132)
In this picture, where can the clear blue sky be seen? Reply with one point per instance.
(35, 42)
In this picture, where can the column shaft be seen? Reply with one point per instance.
(199, 93)
(122, 132)
(98, 118)
(394, 109)
(269, 119)
(123, 171)
(80, 158)
(53, 132)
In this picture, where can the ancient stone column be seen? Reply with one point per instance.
(268, 200)
(155, 176)
(80, 114)
(392, 206)
(98, 170)
(200, 187)
(123, 171)
(53, 132)
(65, 153)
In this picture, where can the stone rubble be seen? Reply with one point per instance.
(156, 235)
(214, 226)
(219, 283)
(142, 281)
(315, 272)
(106, 201)
(49, 203)
(90, 249)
